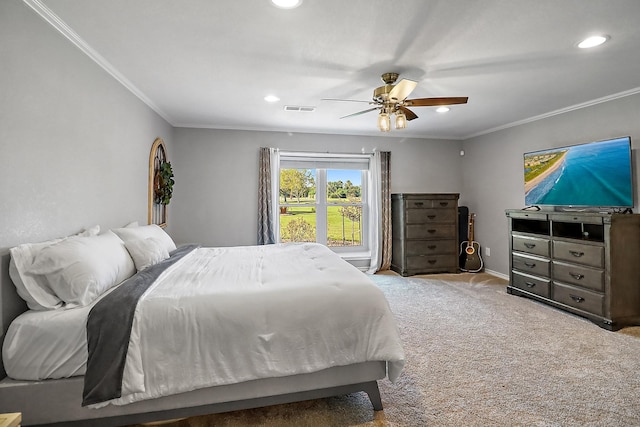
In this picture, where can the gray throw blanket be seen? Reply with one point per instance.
(109, 328)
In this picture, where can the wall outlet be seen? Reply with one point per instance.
(487, 251)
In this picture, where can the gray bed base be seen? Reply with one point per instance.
(57, 402)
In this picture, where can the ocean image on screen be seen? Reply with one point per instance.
(594, 174)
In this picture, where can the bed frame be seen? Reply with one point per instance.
(54, 402)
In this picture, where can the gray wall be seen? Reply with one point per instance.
(492, 165)
(216, 191)
(74, 143)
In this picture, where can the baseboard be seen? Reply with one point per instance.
(497, 274)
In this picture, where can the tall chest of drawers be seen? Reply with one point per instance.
(424, 232)
(585, 263)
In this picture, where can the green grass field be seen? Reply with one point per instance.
(334, 224)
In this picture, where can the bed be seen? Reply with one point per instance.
(123, 327)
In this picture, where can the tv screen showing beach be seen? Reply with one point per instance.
(596, 174)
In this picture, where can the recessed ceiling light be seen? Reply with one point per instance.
(271, 98)
(287, 4)
(592, 41)
(442, 109)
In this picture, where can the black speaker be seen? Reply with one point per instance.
(463, 228)
(463, 223)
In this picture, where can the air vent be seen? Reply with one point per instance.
(299, 109)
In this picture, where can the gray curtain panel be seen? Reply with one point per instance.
(266, 229)
(385, 215)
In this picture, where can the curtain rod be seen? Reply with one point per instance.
(320, 153)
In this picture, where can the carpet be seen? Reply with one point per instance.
(477, 356)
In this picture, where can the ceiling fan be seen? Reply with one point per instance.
(391, 99)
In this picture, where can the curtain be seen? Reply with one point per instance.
(267, 193)
(385, 188)
(380, 217)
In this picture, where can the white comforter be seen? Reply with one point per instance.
(227, 315)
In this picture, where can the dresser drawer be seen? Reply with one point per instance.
(579, 253)
(531, 264)
(579, 298)
(536, 285)
(432, 262)
(431, 203)
(431, 215)
(585, 277)
(531, 245)
(431, 247)
(430, 231)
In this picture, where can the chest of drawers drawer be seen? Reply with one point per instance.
(426, 263)
(531, 264)
(531, 245)
(431, 247)
(431, 203)
(579, 253)
(579, 298)
(536, 285)
(586, 277)
(430, 215)
(430, 231)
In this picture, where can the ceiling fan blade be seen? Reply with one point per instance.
(402, 90)
(360, 112)
(430, 102)
(408, 113)
(344, 100)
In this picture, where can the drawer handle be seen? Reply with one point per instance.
(431, 231)
(530, 245)
(577, 276)
(530, 284)
(443, 204)
(576, 253)
(432, 261)
(419, 203)
(576, 298)
(530, 264)
(432, 247)
(431, 216)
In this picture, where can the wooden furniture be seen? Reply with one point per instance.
(584, 263)
(10, 420)
(425, 233)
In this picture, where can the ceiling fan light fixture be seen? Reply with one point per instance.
(442, 109)
(384, 122)
(592, 42)
(271, 98)
(401, 120)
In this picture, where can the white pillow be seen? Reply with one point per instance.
(80, 269)
(146, 252)
(129, 234)
(32, 288)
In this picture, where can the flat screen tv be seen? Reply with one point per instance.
(596, 175)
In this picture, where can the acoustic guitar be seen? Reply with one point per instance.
(470, 251)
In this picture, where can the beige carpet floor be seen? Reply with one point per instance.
(477, 356)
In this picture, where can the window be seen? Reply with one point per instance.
(323, 198)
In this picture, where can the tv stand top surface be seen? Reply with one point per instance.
(569, 209)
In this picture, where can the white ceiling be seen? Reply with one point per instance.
(209, 63)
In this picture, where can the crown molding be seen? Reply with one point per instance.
(55, 21)
(591, 103)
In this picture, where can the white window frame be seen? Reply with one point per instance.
(320, 162)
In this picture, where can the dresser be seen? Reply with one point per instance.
(425, 233)
(584, 263)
